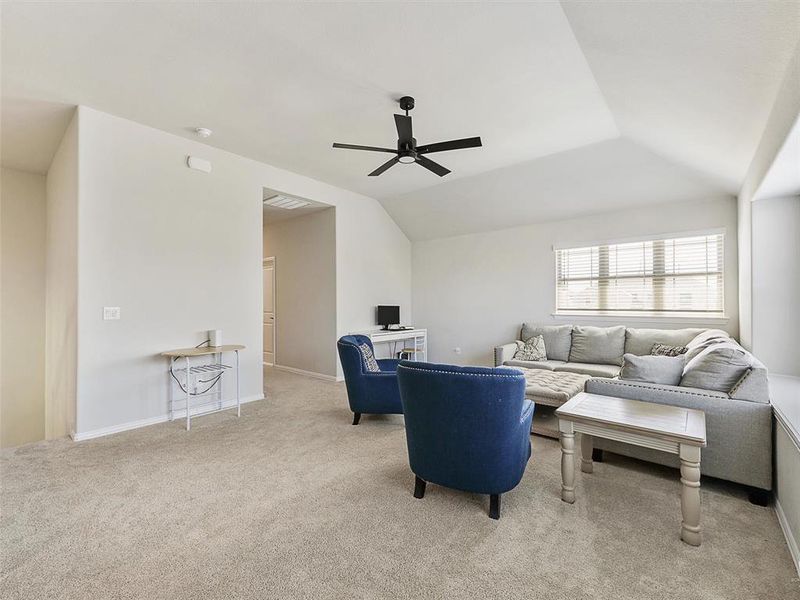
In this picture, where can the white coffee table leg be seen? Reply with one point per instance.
(586, 453)
(690, 495)
(567, 461)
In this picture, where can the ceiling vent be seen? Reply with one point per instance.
(287, 202)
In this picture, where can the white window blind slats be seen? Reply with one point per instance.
(681, 275)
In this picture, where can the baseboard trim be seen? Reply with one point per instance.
(794, 550)
(104, 431)
(313, 374)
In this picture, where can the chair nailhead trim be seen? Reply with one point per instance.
(467, 374)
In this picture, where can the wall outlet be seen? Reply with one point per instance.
(111, 313)
(457, 350)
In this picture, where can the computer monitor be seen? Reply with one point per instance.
(388, 315)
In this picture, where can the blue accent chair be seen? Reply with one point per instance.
(467, 428)
(368, 392)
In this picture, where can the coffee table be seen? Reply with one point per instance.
(680, 431)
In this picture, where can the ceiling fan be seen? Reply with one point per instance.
(407, 150)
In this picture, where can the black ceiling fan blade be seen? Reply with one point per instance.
(473, 142)
(384, 166)
(432, 166)
(370, 148)
(404, 133)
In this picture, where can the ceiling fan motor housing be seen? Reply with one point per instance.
(406, 103)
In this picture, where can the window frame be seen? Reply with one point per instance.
(642, 315)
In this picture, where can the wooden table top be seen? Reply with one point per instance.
(202, 351)
(681, 425)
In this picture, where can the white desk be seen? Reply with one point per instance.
(417, 337)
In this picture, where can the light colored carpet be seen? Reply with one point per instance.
(291, 501)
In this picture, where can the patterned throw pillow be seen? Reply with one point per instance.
(369, 359)
(665, 350)
(533, 349)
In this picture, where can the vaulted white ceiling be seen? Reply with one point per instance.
(567, 99)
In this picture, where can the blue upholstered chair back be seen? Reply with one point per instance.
(467, 428)
(368, 392)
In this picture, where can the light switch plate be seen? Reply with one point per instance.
(111, 313)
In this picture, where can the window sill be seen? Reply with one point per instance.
(639, 318)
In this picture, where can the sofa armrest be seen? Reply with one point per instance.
(753, 387)
(504, 353)
(651, 392)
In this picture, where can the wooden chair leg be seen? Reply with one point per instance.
(419, 487)
(494, 506)
(356, 418)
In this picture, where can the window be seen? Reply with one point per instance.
(658, 277)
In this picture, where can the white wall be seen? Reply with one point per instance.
(783, 114)
(473, 291)
(776, 283)
(180, 252)
(305, 282)
(23, 202)
(61, 305)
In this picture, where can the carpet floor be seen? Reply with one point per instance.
(291, 501)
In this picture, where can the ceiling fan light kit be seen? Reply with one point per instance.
(407, 151)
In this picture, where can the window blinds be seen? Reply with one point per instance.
(660, 276)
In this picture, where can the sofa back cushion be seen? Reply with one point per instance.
(666, 370)
(557, 338)
(640, 341)
(719, 366)
(603, 345)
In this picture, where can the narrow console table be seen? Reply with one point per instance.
(680, 431)
(214, 375)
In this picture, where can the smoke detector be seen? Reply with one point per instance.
(203, 132)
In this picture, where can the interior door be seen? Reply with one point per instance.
(269, 312)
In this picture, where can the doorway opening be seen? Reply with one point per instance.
(299, 276)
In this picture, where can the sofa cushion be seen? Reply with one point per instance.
(600, 345)
(666, 370)
(546, 365)
(718, 367)
(532, 349)
(595, 370)
(557, 338)
(640, 341)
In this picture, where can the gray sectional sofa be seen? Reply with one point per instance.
(738, 411)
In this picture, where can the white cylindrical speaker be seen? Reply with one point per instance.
(214, 337)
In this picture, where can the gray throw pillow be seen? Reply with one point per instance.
(665, 350)
(664, 370)
(719, 368)
(600, 345)
(370, 364)
(557, 338)
(533, 349)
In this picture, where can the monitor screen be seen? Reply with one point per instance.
(388, 315)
